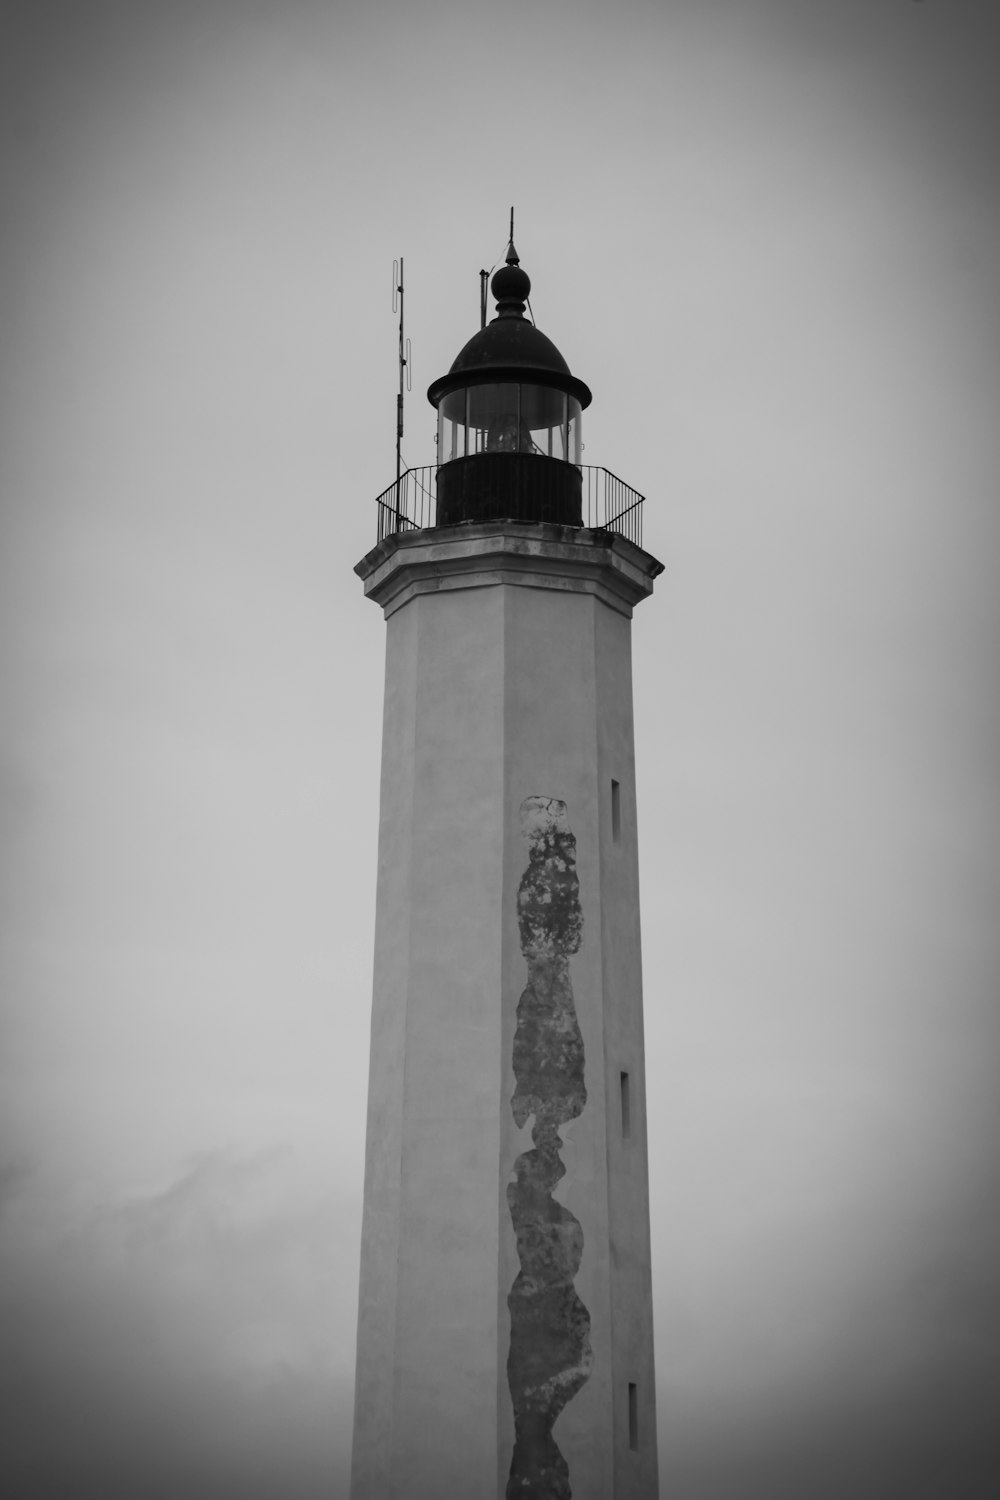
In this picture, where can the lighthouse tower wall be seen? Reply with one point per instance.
(425, 1406)
(505, 1304)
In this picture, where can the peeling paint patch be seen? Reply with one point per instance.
(550, 1355)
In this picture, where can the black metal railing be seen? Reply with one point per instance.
(609, 504)
(409, 502)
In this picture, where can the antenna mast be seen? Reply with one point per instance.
(404, 366)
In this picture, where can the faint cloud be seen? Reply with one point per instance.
(15, 1174)
(189, 1333)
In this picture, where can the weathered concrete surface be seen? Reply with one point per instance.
(568, 732)
(497, 691)
(550, 1355)
(429, 1341)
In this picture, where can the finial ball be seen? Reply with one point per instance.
(511, 285)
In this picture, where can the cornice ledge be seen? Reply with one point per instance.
(487, 553)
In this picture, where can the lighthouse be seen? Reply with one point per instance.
(505, 1341)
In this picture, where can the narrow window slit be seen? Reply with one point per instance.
(626, 1107)
(633, 1416)
(616, 811)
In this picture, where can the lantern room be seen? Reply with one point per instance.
(509, 443)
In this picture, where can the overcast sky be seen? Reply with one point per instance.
(766, 233)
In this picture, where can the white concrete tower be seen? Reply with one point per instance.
(505, 1344)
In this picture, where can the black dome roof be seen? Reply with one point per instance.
(510, 348)
(510, 341)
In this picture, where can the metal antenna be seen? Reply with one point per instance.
(404, 366)
(484, 277)
(511, 235)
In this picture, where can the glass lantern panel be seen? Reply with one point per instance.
(507, 418)
(574, 443)
(543, 421)
(451, 438)
(451, 426)
(493, 418)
